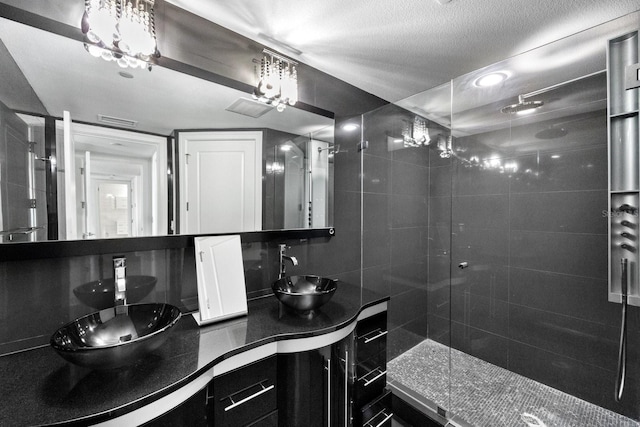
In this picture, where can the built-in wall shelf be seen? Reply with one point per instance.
(625, 115)
(624, 173)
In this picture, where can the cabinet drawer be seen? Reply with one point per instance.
(371, 336)
(378, 413)
(370, 383)
(245, 395)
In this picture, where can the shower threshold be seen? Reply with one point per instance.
(485, 395)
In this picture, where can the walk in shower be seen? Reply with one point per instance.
(485, 216)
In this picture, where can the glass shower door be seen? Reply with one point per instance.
(534, 339)
(406, 199)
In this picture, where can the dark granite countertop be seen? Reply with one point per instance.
(40, 388)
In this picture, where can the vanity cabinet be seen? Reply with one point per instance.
(246, 396)
(342, 384)
(315, 386)
(372, 405)
(191, 413)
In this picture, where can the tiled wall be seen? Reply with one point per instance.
(396, 224)
(534, 297)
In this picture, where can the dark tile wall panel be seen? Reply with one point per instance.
(396, 220)
(534, 298)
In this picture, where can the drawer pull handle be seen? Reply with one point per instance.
(386, 418)
(379, 335)
(374, 379)
(248, 398)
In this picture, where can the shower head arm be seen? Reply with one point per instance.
(522, 97)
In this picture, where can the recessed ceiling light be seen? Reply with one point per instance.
(126, 75)
(490, 79)
(350, 127)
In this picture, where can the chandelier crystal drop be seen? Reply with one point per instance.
(122, 31)
(277, 81)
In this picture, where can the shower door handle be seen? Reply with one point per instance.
(463, 264)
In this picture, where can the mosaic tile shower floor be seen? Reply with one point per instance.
(486, 395)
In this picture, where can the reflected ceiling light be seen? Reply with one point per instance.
(122, 31)
(490, 79)
(349, 127)
(277, 81)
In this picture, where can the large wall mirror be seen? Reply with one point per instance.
(119, 164)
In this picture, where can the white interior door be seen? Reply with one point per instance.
(220, 181)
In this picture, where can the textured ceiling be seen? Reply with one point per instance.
(397, 48)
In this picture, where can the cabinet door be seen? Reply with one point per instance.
(191, 413)
(302, 391)
(314, 386)
(343, 377)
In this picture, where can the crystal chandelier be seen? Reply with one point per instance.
(415, 134)
(277, 81)
(121, 31)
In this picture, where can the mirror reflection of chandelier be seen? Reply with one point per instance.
(121, 31)
(277, 81)
(415, 134)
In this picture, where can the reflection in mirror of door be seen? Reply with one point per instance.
(220, 177)
(154, 104)
(134, 205)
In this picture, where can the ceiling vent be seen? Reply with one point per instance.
(249, 107)
(116, 121)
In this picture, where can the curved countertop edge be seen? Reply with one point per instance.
(166, 399)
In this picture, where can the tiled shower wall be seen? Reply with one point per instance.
(534, 297)
(396, 224)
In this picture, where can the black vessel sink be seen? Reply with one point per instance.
(116, 336)
(304, 293)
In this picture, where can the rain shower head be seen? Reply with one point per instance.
(522, 107)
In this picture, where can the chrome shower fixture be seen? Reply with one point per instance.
(332, 149)
(522, 107)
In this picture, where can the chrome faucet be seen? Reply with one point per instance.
(282, 258)
(120, 280)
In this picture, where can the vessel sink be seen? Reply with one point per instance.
(99, 293)
(304, 293)
(116, 336)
